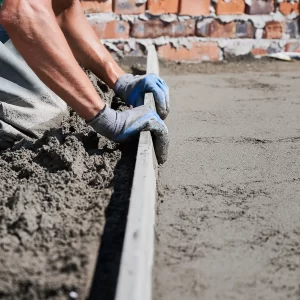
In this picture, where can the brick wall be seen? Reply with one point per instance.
(195, 30)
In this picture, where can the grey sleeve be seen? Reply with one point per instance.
(27, 106)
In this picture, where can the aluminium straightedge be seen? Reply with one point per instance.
(135, 275)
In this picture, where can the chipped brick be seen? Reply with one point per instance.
(260, 7)
(244, 30)
(128, 7)
(157, 28)
(194, 7)
(111, 30)
(215, 29)
(292, 29)
(99, 6)
(258, 51)
(274, 30)
(233, 7)
(158, 7)
(287, 8)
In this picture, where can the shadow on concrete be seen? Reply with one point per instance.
(107, 269)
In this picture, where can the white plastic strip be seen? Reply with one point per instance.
(135, 276)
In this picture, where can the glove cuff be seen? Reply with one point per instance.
(121, 85)
(105, 122)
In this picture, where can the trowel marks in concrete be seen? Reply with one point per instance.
(228, 224)
(54, 194)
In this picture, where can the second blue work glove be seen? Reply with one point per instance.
(132, 90)
(122, 126)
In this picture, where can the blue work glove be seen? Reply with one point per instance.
(122, 126)
(132, 90)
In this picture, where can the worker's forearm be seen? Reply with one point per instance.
(86, 46)
(34, 31)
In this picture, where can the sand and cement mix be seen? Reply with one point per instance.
(55, 195)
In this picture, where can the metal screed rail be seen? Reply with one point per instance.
(135, 276)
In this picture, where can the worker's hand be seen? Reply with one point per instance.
(133, 88)
(122, 126)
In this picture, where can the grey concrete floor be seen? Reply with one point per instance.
(228, 216)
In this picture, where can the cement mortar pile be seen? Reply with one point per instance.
(54, 193)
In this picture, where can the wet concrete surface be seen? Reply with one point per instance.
(228, 223)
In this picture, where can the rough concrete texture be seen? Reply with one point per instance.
(56, 196)
(228, 222)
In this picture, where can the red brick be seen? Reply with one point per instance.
(296, 8)
(244, 30)
(128, 7)
(194, 7)
(111, 29)
(96, 6)
(200, 51)
(274, 30)
(215, 29)
(292, 29)
(259, 51)
(157, 28)
(292, 47)
(287, 8)
(158, 7)
(260, 7)
(233, 7)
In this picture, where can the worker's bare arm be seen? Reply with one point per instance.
(33, 28)
(92, 54)
(83, 41)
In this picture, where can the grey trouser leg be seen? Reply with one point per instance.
(27, 106)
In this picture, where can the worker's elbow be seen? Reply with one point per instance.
(22, 14)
